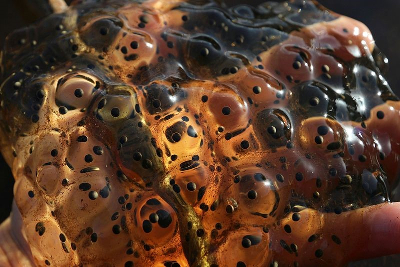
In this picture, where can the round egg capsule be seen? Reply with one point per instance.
(75, 91)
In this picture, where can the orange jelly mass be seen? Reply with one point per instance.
(185, 133)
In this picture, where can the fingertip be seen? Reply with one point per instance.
(373, 231)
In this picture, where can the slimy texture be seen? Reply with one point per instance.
(171, 133)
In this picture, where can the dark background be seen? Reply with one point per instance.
(380, 16)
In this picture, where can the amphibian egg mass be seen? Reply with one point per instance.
(184, 133)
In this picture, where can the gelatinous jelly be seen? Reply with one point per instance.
(173, 133)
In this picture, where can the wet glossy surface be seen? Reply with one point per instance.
(181, 133)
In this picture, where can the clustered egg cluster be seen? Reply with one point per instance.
(147, 133)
